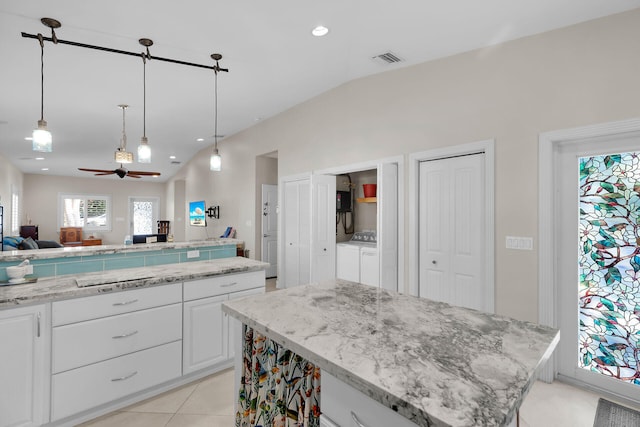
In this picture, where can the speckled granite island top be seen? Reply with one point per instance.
(72, 286)
(436, 364)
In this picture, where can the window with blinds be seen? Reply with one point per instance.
(91, 212)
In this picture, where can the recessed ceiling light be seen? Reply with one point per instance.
(39, 158)
(28, 138)
(320, 31)
(172, 157)
(200, 139)
(44, 169)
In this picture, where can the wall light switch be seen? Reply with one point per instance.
(520, 243)
(193, 254)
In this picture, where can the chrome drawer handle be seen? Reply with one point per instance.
(126, 377)
(125, 302)
(125, 335)
(356, 420)
(229, 284)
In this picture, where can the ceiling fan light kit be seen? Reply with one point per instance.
(42, 140)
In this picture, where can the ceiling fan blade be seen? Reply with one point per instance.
(133, 176)
(144, 173)
(94, 170)
(104, 173)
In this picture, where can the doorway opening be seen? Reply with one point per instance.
(267, 210)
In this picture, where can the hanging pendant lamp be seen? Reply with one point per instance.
(144, 151)
(41, 137)
(122, 155)
(215, 161)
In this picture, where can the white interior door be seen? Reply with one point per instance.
(323, 242)
(387, 194)
(452, 231)
(270, 228)
(296, 212)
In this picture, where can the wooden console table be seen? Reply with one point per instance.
(91, 242)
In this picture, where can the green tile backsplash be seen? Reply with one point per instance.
(116, 261)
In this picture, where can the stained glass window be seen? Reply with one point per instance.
(609, 265)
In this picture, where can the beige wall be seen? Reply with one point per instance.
(571, 77)
(41, 201)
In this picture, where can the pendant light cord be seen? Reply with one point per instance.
(144, 95)
(123, 144)
(41, 40)
(215, 91)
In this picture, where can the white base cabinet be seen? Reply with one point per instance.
(206, 338)
(23, 366)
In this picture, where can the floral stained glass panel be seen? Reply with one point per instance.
(609, 265)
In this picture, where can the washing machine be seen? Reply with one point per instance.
(357, 260)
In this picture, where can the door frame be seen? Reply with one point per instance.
(488, 148)
(548, 143)
(377, 164)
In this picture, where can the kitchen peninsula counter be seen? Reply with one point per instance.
(86, 284)
(85, 251)
(432, 363)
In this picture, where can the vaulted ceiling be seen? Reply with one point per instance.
(274, 62)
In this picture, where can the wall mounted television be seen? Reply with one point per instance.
(197, 214)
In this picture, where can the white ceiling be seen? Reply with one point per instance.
(274, 64)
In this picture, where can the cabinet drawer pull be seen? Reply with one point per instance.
(126, 377)
(228, 284)
(125, 302)
(125, 335)
(356, 420)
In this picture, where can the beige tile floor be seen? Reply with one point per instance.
(209, 403)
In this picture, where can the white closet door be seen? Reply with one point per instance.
(388, 225)
(297, 232)
(451, 228)
(323, 241)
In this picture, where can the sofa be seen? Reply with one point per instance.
(12, 243)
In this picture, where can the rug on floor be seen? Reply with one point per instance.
(611, 414)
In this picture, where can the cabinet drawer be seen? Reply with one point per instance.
(83, 388)
(94, 307)
(83, 343)
(343, 405)
(224, 284)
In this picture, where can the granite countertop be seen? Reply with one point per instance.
(77, 285)
(436, 364)
(74, 251)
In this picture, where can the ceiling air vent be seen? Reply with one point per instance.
(387, 58)
(175, 162)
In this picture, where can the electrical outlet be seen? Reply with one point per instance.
(520, 243)
(193, 254)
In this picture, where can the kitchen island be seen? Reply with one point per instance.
(431, 363)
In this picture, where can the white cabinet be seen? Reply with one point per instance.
(205, 334)
(114, 345)
(369, 266)
(348, 262)
(206, 338)
(344, 406)
(23, 368)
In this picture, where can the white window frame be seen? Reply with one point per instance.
(85, 197)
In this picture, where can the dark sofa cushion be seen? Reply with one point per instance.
(28, 243)
(47, 244)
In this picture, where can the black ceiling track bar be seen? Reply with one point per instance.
(123, 52)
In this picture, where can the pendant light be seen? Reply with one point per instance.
(41, 137)
(215, 161)
(122, 155)
(144, 151)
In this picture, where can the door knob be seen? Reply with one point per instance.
(434, 262)
(265, 235)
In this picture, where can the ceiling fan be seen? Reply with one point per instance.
(121, 172)
(122, 156)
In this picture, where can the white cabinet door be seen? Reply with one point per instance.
(369, 267)
(23, 334)
(323, 242)
(205, 334)
(348, 262)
